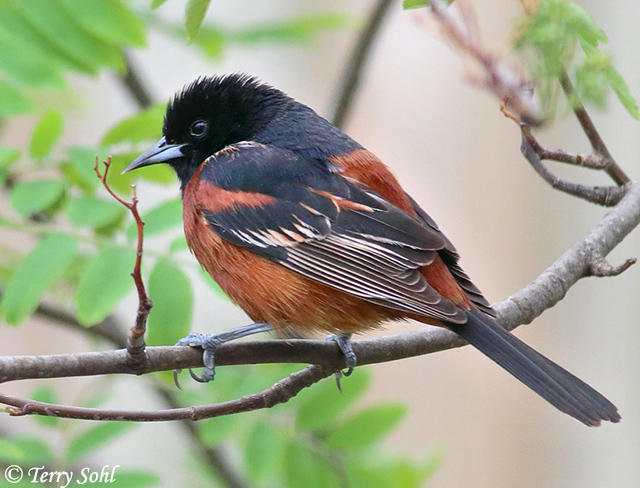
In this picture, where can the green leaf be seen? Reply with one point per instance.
(581, 24)
(16, 29)
(264, 453)
(93, 212)
(35, 274)
(104, 284)
(218, 430)
(135, 479)
(380, 468)
(47, 132)
(110, 20)
(94, 438)
(82, 161)
(157, 3)
(172, 296)
(298, 29)
(26, 66)
(165, 216)
(367, 428)
(410, 4)
(35, 451)
(304, 469)
(8, 156)
(12, 101)
(194, 15)
(36, 196)
(212, 41)
(144, 126)
(46, 395)
(52, 21)
(158, 173)
(321, 405)
(179, 244)
(11, 450)
(622, 91)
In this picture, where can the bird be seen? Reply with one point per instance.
(309, 232)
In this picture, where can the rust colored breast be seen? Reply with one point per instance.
(267, 291)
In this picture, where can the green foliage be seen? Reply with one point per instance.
(46, 133)
(172, 295)
(40, 40)
(411, 4)
(36, 273)
(366, 428)
(164, 217)
(36, 196)
(194, 15)
(553, 35)
(96, 213)
(85, 240)
(106, 281)
(94, 437)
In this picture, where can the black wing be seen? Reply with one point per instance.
(323, 227)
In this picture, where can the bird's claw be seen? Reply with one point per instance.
(209, 343)
(351, 360)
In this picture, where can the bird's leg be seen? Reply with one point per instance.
(209, 342)
(344, 343)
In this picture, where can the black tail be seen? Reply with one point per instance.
(553, 383)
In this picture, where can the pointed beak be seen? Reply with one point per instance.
(160, 152)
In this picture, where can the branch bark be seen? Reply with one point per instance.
(521, 308)
(357, 63)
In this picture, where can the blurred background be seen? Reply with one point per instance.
(453, 150)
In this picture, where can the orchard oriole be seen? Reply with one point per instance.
(308, 231)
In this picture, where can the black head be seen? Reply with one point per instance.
(209, 114)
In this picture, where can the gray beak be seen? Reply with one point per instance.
(160, 152)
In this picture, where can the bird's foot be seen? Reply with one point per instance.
(351, 360)
(209, 343)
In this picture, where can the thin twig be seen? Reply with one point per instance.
(502, 82)
(134, 85)
(597, 144)
(135, 339)
(533, 152)
(357, 62)
(213, 455)
(280, 392)
(607, 196)
(521, 308)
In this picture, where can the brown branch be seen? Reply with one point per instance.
(547, 290)
(280, 392)
(533, 152)
(357, 62)
(597, 144)
(499, 80)
(213, 455)
(134, 85)
(607, 196)
(135, 339)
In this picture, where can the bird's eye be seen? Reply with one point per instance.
(199, 128)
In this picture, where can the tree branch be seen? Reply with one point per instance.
(357, 62)
(589, 128)
(135, 338)
(134, 85)
(547, 290)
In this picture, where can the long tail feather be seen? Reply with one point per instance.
(553, 383)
